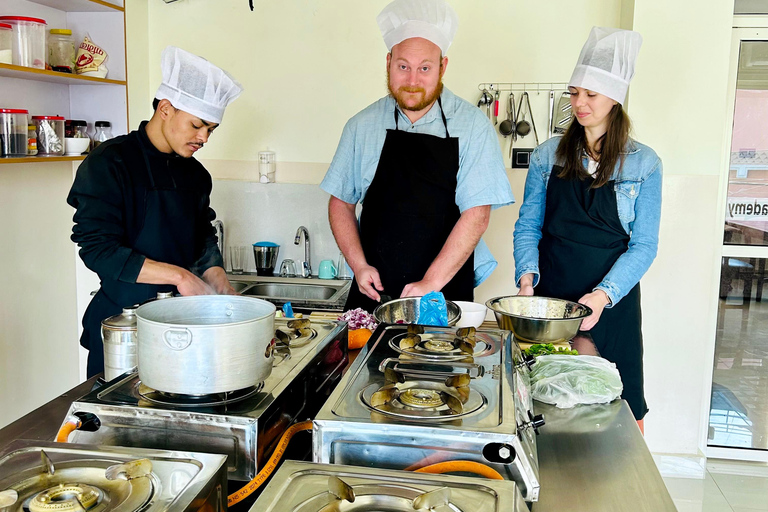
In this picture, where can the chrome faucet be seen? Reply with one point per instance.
(306, 266)
(219, 227)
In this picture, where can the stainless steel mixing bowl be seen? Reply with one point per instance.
(406, 311)
(539, 319)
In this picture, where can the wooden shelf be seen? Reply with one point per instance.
(81, 5)
(43, 75)
(39, 159)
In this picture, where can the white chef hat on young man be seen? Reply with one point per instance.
(433, 20)
(607, 62)
(196, 86)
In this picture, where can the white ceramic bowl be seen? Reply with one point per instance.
(76, 146)
(472, 314)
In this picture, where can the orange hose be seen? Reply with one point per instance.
(267, 470)
(466, 466)
(66, 429)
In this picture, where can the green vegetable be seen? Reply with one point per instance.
(544, 349)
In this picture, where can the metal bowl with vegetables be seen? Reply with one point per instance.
(538, 319)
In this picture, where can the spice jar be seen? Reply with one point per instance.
(50, 135)
(13, 131)
(61, 50)
(31, 140)
(6, 43)
(103, 133)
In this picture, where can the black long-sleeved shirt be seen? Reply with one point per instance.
(109, 195)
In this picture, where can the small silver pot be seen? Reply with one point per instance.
(205, 344)
(406, 311)
(119, 336)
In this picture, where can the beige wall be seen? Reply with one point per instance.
(307, 66)
(38, 351)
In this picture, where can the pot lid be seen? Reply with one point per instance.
(126, 321)
(13, 111)
(23, 18)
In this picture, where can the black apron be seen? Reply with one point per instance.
(408, 212)
(167, 235)
(582, 237)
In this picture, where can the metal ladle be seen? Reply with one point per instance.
(486, 99)
(507, 126)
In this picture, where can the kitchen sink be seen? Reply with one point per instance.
(291, 291)
(321, 294)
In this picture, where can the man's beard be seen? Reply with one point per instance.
(425, 102)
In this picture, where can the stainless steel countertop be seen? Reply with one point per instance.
(594, 458)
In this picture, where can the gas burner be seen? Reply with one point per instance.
(178, 400)
(440, 346)
(423, 400)
(296, 333)
(79, 486)
(389, 497)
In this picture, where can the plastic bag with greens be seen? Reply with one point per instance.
(566, 381)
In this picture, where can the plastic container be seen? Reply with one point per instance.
(50, 135)
(61, 50)
(28, 41)
(13, 131)
(6, 43)
(31, 140)
(103, 133)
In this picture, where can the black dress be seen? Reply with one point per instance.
(134, 202)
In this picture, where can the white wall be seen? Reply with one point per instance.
(307, 66)
(38, 358)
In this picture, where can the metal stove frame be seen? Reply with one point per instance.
(205, 474)
(296, 483)
(246, 431)
(501, 435)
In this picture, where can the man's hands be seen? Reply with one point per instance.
(190, 284)
(419, 288)
(369, 282)
(214, 279)
(596, 300)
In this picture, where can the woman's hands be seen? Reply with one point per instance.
(596, 300)
(526, 285)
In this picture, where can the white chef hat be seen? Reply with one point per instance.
(196, 86)
(433, 20)
(607, 62)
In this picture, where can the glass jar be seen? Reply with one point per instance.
(103, 133)
(50, 135)
(6, 43)
(13, 131)
(61, 50)
(28, 40)
(31, 140)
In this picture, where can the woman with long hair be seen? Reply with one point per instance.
(589, 223)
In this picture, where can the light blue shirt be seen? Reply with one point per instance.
(482, 178)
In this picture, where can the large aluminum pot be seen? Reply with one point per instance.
(538, 319)
(205, 344)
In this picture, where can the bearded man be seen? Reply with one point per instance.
(426, 166)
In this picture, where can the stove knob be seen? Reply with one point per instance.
(536, 421)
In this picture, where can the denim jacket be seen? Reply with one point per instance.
(638, 194)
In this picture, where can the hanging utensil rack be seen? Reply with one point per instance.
(528, 87)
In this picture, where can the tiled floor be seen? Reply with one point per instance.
(727, 487)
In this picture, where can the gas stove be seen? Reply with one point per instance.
(245, 424)
(310, 487)
(422, 395)
(53, 477)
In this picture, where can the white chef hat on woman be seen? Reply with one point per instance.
(433, 20)
(607, 62)
(196, 86)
